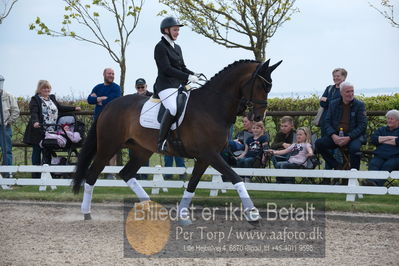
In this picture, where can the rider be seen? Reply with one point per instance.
(172, 73)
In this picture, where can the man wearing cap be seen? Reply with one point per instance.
(141, 87)
(9, 116)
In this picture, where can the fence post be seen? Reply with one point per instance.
(46, 176)
(158, 177)
(353, 182)
(216, 179)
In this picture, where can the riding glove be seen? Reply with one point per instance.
(193, 79)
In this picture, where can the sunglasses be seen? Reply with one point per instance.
(139, 87)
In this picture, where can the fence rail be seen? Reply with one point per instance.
(352, 190)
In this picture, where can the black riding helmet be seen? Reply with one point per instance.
(169, 22)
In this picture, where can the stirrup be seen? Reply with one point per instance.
(252, 215)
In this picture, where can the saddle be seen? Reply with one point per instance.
(153, 110)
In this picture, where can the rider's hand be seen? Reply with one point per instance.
(193, 79)
(36, 125)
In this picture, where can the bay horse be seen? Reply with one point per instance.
(210, 112)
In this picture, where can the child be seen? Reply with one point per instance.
(253, 147)
(60, 136)
(299, 153)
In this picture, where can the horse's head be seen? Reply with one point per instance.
(256, 91)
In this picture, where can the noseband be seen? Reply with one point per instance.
(248, 104)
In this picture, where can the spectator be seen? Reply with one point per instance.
(349, 114)
(254, 147)
(101, 95)
(331, 93)
(44, 109)
(179, 161)
(386, 155)
(10, 114)
(238, 144)
(298, 153)
(141, 88)
(284, 138)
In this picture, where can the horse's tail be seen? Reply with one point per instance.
(85, 158)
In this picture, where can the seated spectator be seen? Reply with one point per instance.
(386, 155)
(238, 144)
(298, 153)
(284, 138)
(347, 113)
(254, 147)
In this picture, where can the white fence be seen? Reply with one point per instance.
(352, 189)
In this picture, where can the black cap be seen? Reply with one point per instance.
(140, 81)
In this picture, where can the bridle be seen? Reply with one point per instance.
(248, 104)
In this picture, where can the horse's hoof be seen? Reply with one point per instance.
(252, 215)
(87, 216)
(185, 222)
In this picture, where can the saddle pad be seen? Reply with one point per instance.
(149, 113)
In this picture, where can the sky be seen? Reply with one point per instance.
(324, 35)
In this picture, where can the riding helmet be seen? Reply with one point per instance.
(169, 22)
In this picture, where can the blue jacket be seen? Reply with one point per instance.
(357, 118)
(385, 151)
(112, 91)
(331, 93)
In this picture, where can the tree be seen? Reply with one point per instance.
(227, 21)
(388, 11)
(6, 8)
(126, 15)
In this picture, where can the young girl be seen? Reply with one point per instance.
(253, 147)
(60, 136)
(299, 153)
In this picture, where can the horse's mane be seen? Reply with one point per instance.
(228, 68)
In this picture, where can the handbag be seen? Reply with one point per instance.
(316, 120)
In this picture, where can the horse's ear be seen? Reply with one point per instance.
(273, 67)
(264, 67)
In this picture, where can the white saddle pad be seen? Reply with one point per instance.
(149, 113)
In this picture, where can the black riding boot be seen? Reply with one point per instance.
(166, 122)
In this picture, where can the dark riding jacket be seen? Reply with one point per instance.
(357, 118)
(172, 72)
(35, 135)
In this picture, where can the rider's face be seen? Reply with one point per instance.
(174, 32)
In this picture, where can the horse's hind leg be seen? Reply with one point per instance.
(139, 158)
(93, 173)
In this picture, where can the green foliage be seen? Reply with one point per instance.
(229, 22)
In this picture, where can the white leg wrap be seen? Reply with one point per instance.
(184, 204)
(243, 193)
(137, 189)
(87, 195)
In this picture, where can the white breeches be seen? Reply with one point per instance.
(169, 99)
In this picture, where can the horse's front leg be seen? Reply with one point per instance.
(251, 213)
(199, 169)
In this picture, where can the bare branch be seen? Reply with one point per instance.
(388, 12)
(6, 9)
(81, 12)
(224, 22)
